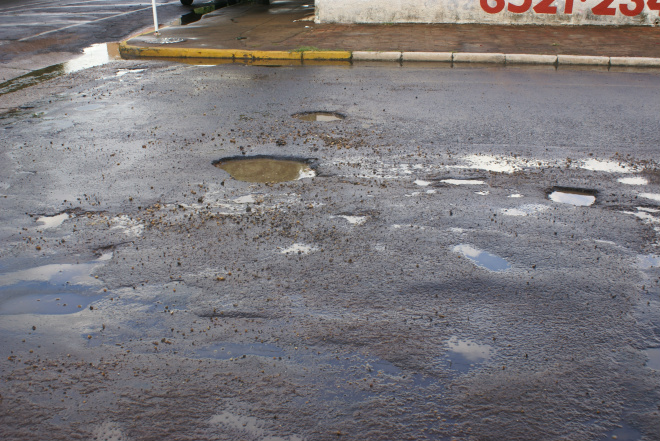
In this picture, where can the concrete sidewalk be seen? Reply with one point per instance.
(286, 30)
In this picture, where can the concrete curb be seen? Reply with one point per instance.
(445, 57)
(582, 60)
(530, 59)
(635, 61)
(130, 51)
(469, 57)
(376, 56)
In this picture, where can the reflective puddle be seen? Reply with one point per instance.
(573, 196)
(47, 222)
(482, 258)
(463, 181)
(266, 169)
(653, 355)
(50, 289)
(652, 196)
(90, 107)
(465, 355)
(319, 116)
(623, 433)
(230, 351)
(649, 261)
(634, 181)
(298, 248)
(95, 55)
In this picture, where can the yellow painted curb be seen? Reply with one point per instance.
(327, 55)
(275, 55)
(173, 52)
(128, 50)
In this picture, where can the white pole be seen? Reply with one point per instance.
(153, 7)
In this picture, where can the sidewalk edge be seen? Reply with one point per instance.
(128, 50)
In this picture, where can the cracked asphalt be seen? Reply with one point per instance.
(473, 257)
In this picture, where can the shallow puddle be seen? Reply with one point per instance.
(266, 169)
(649, 261)
(353, 220)
(47, 222)
(50, 289)
(652, 196)
(524, 210)
(463, 181)
(653, 355)
(482, 258)
(95, 55)
(298, 248)
(623, 433)
(573, 196)
(90, 107)
(465, 355)
(227, 351)
(605, 166)
(319, 116)
(634, 181)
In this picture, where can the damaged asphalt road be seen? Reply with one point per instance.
(470, 253)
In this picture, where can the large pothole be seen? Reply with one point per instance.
(266, 169)
(573, 196)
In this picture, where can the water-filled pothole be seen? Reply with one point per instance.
(573, 196)
(319, 116)
(266, 169)
(46, 222)
(482, 258)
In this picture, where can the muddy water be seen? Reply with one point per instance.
(319, 116)
(266, 169)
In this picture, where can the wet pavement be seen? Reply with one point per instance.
(415, 279)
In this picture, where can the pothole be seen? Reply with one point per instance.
(482, 258)
(573, 196)
(265, 169)
(47, 222)
(319, 116)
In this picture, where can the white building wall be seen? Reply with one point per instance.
(555, 12)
